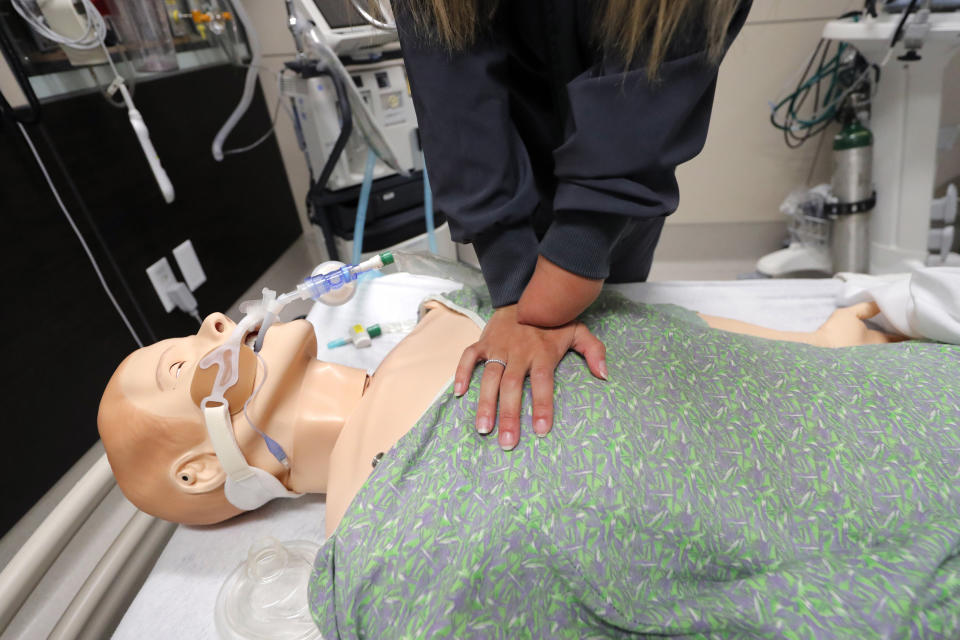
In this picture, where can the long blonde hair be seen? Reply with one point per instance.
(624, 27)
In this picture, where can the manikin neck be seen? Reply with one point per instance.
(328, 396)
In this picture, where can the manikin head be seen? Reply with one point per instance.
(153, 429)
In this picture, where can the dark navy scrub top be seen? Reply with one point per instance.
(537, 143)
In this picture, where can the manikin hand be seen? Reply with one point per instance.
(554, 296)
(527, 351)
(846, 328)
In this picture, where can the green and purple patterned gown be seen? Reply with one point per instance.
(718, 486)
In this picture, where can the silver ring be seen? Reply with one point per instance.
(489, 360)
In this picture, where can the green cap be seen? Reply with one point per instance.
(387, 258)
(852, 136)
(374, 330)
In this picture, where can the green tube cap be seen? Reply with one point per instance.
(387, 258)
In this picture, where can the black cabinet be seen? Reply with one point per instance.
(63, 339)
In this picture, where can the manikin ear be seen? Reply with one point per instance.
(197, 471)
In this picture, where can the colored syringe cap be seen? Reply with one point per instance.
(333, 344)
(374, 330)
(387, 258)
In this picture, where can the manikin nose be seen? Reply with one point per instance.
(216, 326)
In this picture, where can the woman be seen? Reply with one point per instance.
(551, 131)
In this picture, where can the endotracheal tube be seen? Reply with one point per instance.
(317, 287)
(263, 313)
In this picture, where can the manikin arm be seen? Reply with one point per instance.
(844, 328)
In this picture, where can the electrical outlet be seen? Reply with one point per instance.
(162, 278)
(189, 265)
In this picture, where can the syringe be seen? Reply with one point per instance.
(361, 337)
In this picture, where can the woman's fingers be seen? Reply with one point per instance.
(489, 392)
(468, 361)
(592, 350)
(541, 384)
(511, 393)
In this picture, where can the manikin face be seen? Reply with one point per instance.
(153, 429)
(158, 378)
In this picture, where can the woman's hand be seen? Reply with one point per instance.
(554, 296)
(846, 328)
(526, 351)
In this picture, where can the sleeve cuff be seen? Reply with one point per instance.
(508, 256)
(581, 242)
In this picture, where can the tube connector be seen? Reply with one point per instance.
(317, 286)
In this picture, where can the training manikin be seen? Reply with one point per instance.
(320, 413)
(331, 421)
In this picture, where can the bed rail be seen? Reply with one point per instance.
(30, 563)
(96, 609)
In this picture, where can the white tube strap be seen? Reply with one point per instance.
(220, 430)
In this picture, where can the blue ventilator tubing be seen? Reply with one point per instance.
(428, 208)
(362, 205)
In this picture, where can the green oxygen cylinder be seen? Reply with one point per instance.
(852, 186)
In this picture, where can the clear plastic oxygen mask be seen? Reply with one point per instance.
(266, 596)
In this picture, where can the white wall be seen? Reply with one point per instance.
(745, 169)
(270, 20)
(948, 161)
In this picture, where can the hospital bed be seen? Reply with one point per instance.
(78, 574)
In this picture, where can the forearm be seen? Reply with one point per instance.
(737, 326)
(480, 172)
(555, 296)
(845, 327)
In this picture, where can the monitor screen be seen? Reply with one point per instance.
(340, 13)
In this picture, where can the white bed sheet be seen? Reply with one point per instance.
(178, 598)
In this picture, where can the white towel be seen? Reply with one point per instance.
(390, 298)
(921, 304)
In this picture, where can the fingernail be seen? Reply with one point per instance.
(458, 389)
(540, 427)
(603, 369)
(484, 425)
(507, 440)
